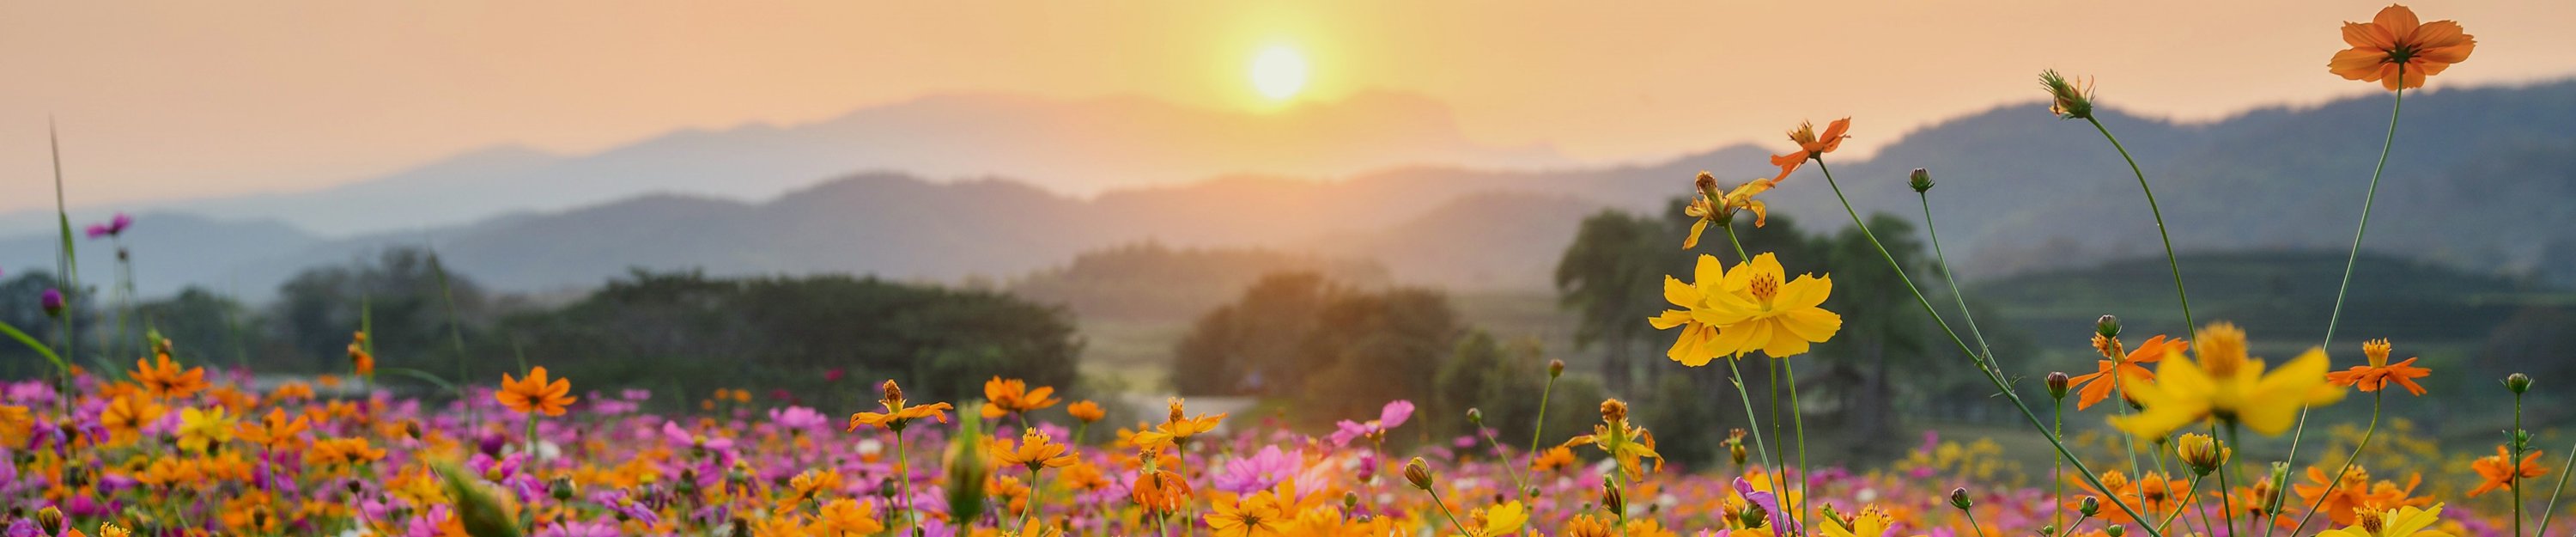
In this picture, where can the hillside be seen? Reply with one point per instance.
(2020, 191)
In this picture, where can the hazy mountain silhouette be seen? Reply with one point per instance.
(1077, 146)
(2481, 179)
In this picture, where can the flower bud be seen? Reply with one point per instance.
(2202, 453)
(1350, 500)
(52, 301)
(2048, 530)
(2057, 383)
(2115, 530)
(50, 520)
(2090, 506)
(2069, 99)
(1959, 498)
(1612, 500)
(2107, 326)
(1475, 417)
(1921, 181)
(2517, 383)
(561, 488)
(1418, 473)
(1555, 368)
(1752, 516)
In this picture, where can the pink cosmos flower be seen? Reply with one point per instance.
(113, 227)
(1387, 418)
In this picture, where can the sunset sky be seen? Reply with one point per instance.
(185, 99)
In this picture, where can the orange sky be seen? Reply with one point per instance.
(182, 99)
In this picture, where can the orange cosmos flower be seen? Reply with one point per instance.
(2379, 373)
(2098, 384)
(1009, 396)
(1036, 450)
(2398, 52)
(2500, 471)
(897, 414)
(1179, 428)
(1086, 411)
(2357, 494)
(1810, 146)
(165, 380)
(534, 394)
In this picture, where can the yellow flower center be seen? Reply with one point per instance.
(2377, 350)
(1764, 287)
(1806, 133)
(2370, 518)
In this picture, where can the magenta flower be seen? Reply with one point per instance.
(1387, 418)
(113, 227)
(52, 300)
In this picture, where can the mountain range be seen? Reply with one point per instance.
(2481, 178)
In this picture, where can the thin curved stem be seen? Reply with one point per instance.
(1444, 510)
(1778, 486)
(2178, 511)
(1541, 425)
(1985, 363)
(2367, 199)
(2353, 257)
(2336, 480)
(1798, 415)
(2171, 263)
(2554, 491)
(904, 458)
(1758, 445)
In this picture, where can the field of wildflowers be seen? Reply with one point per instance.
(176, 448)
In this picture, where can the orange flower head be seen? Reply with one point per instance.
(1811, 146)
(1003, 397)
(2499, 471)
(2127, 370)
(897, 414)
(165, 380)
(1086, 411)
(2397, 51)
(1036, 450)
(534, 394)
(2370, 378)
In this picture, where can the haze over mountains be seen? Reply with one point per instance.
(2018, 190)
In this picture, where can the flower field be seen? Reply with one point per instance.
(2153, 441)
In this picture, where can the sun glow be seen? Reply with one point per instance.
(1278, 72)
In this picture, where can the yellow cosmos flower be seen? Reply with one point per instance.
(2399, 522)
(1759, 308)
(200, 428)
(1692, 347)
(2224, 384)
(1871, 522)
(1504, 519)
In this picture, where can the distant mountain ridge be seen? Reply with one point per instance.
(1078, 146)
(2480, 180)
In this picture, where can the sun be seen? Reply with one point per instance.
(1278, 72)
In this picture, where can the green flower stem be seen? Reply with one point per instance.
(2552, 509)
(1973, 526)
(2354, 256)
(2057, 472)
(2226, 505)
(1948, 276)
(2171, 264)
(1983, 363)
(2177, 512)
(1798, 415)
(1444, 510)
(1771, 470)
(904, 478)
(2513, 467)
(1539, 427)
(2336, 480)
